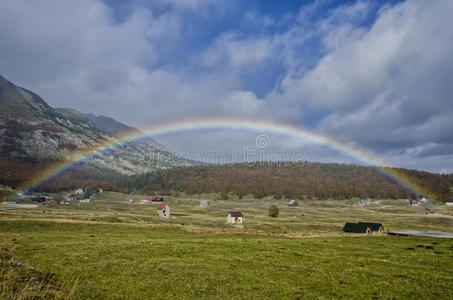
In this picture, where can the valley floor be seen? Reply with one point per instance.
(110, 249)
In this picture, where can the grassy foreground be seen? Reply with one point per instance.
(112, 261)
(110, 249)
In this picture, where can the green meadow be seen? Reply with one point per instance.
(109, 249)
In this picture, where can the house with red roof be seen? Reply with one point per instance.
(157, 199)
(163, 210)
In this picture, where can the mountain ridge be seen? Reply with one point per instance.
(33, 130)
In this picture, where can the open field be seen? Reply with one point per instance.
(109, 249)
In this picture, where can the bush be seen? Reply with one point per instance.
(224, 196)
(273, 211)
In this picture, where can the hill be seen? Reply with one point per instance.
(33, 131)
(307, 180)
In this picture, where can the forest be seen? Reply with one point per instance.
(304, 180)
(308, 180)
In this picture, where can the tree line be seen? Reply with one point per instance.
(307, 180)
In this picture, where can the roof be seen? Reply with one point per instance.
(354, 227)
(235, 213)
(449, 201)
(144, 198)
(161, 206)
(157, 198)
(292, 202)
(203, 202)
(361, 227)
(373, 226)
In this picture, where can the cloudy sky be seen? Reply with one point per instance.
(377, 74)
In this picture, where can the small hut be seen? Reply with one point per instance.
(235, 217)
(293, 203)
(413, 202)
(144, 199)
(203, 203)
(449, 202)
(157, 199)
(363, 227)
(163, 210)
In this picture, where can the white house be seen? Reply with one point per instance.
(203, 203)
(84, 200)
(235, 217)
(293, 203)
(78, 192)
(163, 210)
(449, 202)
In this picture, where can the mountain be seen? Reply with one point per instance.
(109, 125)
(32, 130)
(116, 128)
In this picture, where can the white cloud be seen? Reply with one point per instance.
(387, 87)
(239, 52)
(388, 84)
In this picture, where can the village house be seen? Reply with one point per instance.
(413, 202)
(449, 202)
(144, 199)
(203, 203)
(157, 199)
(84, 200)
(163, 210)
(235, 217)
(363, 227)
(293, 203)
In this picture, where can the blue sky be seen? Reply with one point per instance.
(372, 73)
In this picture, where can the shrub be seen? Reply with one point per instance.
(224, 196)
(273, 211)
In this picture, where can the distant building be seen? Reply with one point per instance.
(78, 192)
(84, 200)
(413, 202)
(363, 227)
(157, 199)
(163, 210)
(144, 199)
(293, 203)
(449, 202)
(235, 217)
(203, 203)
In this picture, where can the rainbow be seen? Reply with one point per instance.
(351, 150)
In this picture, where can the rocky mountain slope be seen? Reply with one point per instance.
(32, 130)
